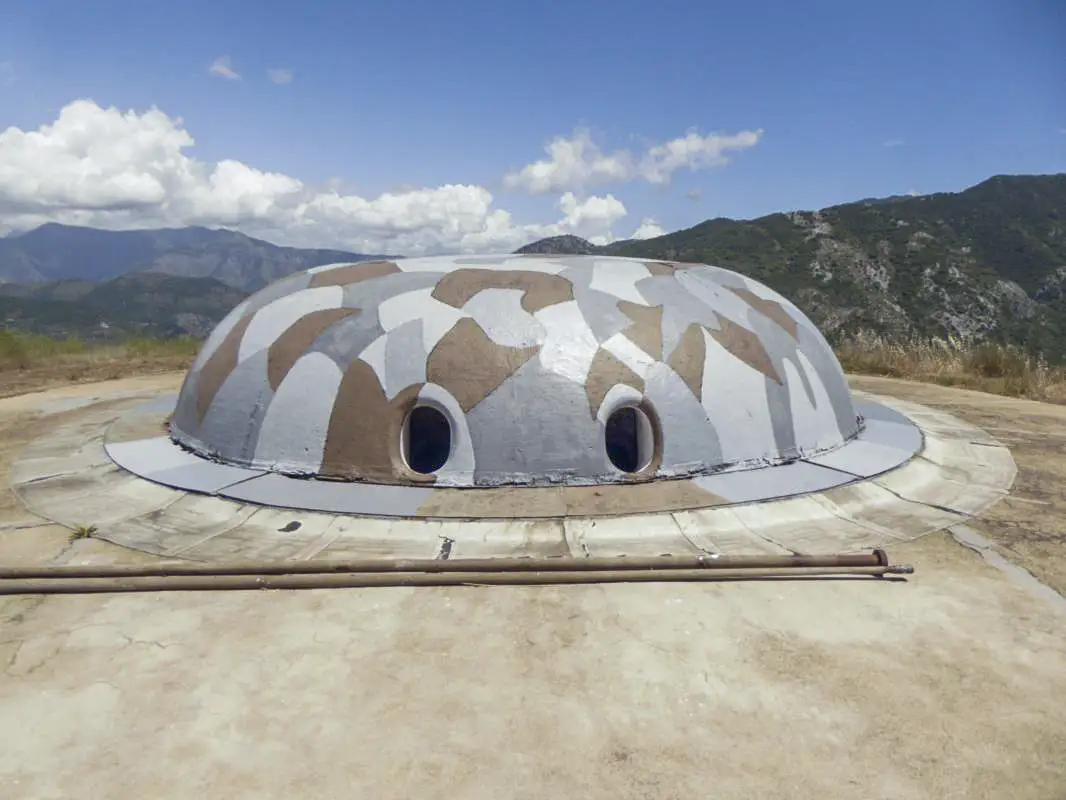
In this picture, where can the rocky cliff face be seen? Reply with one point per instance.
(988, 263)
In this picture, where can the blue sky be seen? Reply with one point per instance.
(854, 99)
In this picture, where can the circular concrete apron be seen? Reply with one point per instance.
(113, 468)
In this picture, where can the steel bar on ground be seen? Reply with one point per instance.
(878, 558)
(192, 583)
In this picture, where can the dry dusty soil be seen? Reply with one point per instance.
(949, 685)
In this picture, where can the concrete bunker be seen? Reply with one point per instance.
(488, 371)
(556, 386)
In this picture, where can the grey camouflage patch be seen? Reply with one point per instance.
(534, 424)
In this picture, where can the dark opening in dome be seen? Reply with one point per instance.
(628, 437)
(427, 440)
(520, 361)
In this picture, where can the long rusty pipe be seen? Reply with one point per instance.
(877, 558)
(210, 582)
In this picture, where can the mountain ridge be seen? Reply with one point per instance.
(986, 263)
(136, 304)
(55, 252)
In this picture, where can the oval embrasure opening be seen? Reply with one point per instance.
(427, 440)
(630, 439)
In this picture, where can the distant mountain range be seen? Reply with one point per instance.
(986, 263)
(67, 280)
(56, 252)
(139, 303)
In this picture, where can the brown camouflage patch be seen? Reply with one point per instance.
(770, 309)
(637, 498)
(470, 365)
(532, 502)
(353, 273)
(219, 366)
(660, 268)
(363, 437)
(524, 502)
(294, 341)
(647, 329)
(746, 346)
(688, 359)
(665, 268)
(607, 371)
(541, 290)
(356, 446)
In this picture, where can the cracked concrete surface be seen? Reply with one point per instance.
(1028, 526)
(944, 685)
(968, 537)
(68, 476)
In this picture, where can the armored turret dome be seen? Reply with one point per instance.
(513, 370)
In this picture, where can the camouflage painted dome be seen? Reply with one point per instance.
(530, 364)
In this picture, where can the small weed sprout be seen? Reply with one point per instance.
(82, 532)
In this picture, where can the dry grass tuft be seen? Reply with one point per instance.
(29, 362)
(82, 532)
(993, 368)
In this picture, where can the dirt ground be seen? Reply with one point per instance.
(1029, 526)
(947, 685)
(61, 373)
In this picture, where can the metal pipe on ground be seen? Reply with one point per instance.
(877, 558)
(353, 580)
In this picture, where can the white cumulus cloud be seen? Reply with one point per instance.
(110, 168)
(572, 164)
(280, 76)
(222, 68)
(648, 229)
(593, 212)
(693, 151)
(577, 162)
